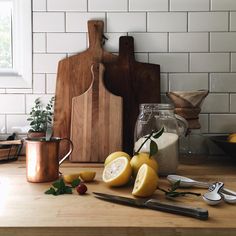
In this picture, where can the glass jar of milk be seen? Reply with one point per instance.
(153, 117)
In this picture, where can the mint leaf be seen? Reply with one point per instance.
(56, 184)
(175, 186)
(153, 148)
(75, 183)
(50, 191)
(159, 133)
(68, 190)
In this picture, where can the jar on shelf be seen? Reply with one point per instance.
(152, 118)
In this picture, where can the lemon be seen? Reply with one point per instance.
(142, 158)
(146, 182)
(69, 178)
(232, 138)
(87, 176)
(117, 172)
(115, 155)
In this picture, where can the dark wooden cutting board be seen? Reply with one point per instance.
(136, 82)
(96, 120)
(74, 78)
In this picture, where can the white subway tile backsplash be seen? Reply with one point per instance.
(51, 83)
(233, 62)
(167, 22)
(209, 62)
(223, 42)
(66, 42)
(39, 83)
(2, 124)
(46, 63)
(223, 5)
(170, 62)
(77, 21)
(30, 98)
(164, 82)
(107, 5)
(17, 124)
(223, 82)
(141, 57)
(189, 5)
(112, 44)
(222, 123)
(19, 91)
(216, 103)
(12, 103)
(232, 21)
(188, 81)
(188, 42)
(203, 119)
(67, 5)
(48, 22)
(148, 5)
(233, 103)
(39, 5)
(39, 42)
(207, 21)
(126, 22)
(150, 42)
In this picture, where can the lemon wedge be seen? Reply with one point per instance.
(87, 176)
(115, 155)
(146, 182)
(71, 177)
(117, 172)
(232, 138)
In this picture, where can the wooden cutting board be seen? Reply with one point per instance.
(136, 82)
(74, 78)
(96, 121)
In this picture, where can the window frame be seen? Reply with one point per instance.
(20, 76)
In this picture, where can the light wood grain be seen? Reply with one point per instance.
(26, 210)
(96, 121)
(74, 78)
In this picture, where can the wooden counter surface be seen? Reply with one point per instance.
(26, 210)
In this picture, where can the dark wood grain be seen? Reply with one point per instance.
(136, 82)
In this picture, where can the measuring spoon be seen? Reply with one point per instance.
(213, 197)
(187, 182)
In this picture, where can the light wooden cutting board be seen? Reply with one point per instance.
(96, 121)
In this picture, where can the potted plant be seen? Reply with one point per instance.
(40, 118)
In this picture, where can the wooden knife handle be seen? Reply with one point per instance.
(194, 212)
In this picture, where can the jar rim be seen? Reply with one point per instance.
(157, 106)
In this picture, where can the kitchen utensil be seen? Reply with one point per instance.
(136, 82)
(42, 159)
(154, 204)
(227, 197)
(187, 182)
(96, 121)
(228, 147)
(213, 197)
(74, 78)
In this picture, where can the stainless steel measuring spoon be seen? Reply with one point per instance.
(213, 197)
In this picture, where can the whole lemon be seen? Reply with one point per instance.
(115, 155)
(142, 158)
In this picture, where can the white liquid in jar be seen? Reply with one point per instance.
(167, 156)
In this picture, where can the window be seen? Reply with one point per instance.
(15, 44)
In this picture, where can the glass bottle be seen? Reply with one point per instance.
(153, 117)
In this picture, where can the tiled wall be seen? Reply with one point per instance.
(194, 41)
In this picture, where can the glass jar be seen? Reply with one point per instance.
(153, 117)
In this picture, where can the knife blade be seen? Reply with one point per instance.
(154, 204)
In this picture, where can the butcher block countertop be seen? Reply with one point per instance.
(26, 210)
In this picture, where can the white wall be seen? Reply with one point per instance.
(194, 41)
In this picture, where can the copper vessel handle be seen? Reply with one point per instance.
(69, 152)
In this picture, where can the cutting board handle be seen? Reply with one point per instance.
(126, 48)
(95, 32)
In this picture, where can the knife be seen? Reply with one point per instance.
(154, 204)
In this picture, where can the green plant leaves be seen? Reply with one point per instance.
(153, 148)
(75, 183)
(159, 133)
(59, 188)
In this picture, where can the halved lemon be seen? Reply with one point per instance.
(146, 182)
(87, 176)
(115, 155)
(69, 178)
(117, 172)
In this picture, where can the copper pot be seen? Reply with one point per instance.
(42, 159)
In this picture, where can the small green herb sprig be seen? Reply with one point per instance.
(40, 118)
(153, 144)
(59, 187)
(173, 193)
